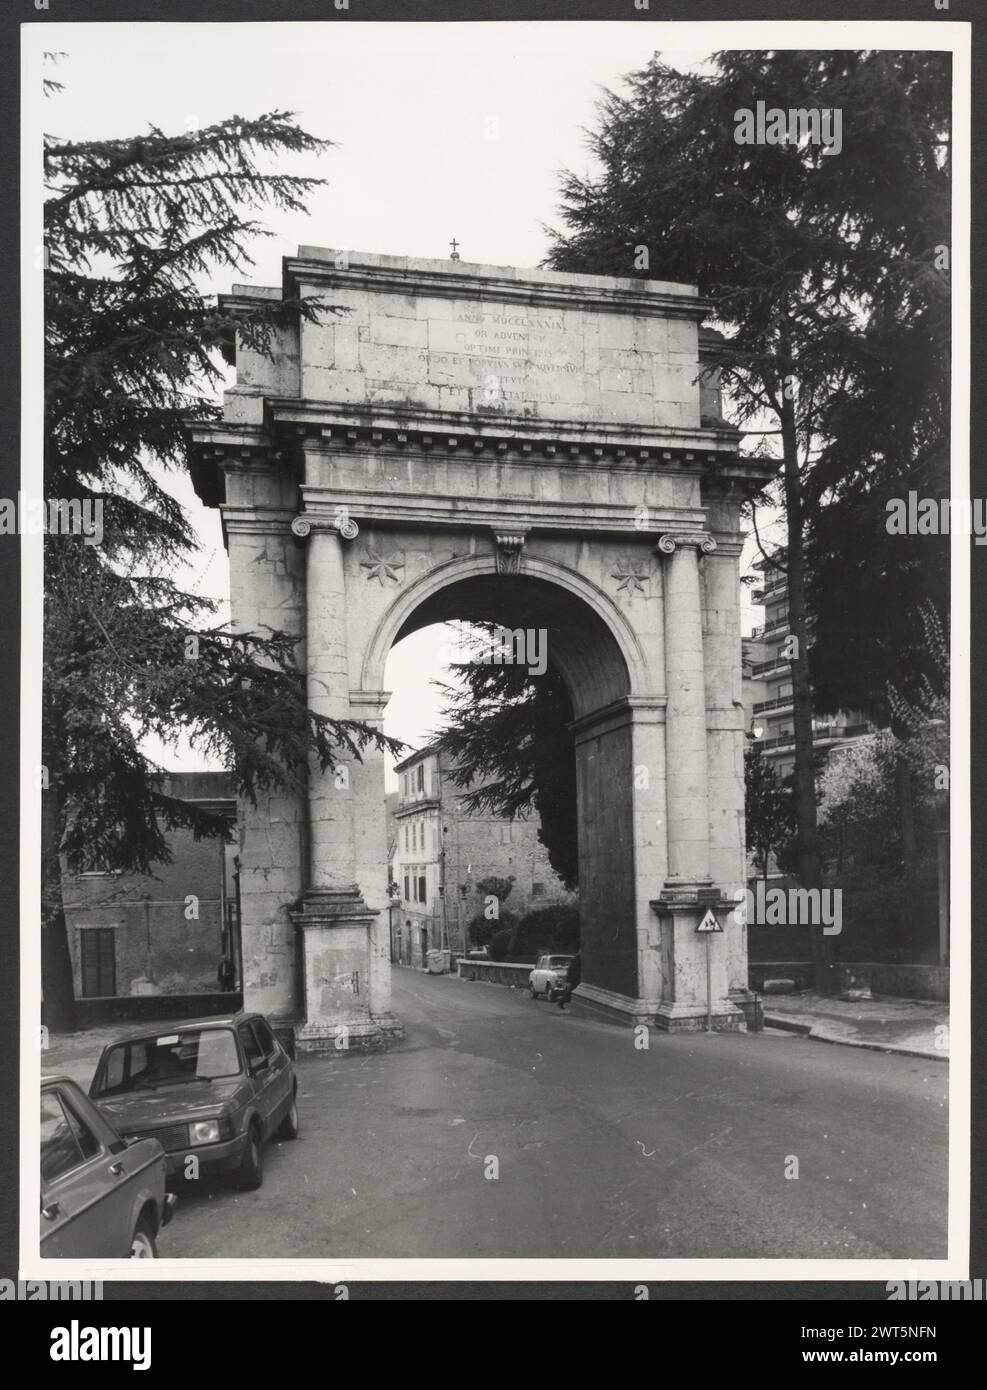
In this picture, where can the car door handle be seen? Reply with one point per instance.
(51, 1211)
(117, 1168)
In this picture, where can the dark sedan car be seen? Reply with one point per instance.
(213, 1090)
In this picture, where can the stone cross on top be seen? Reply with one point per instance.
(455, 252)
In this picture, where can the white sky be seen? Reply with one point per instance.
(454, 130)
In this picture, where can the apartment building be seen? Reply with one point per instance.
(443, 851)
(767, 680)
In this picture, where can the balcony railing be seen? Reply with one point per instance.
(819, 735)
(779, 703)
(758, 668)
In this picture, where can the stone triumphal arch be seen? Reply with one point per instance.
(545, 451)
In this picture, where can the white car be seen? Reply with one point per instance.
(549, 976)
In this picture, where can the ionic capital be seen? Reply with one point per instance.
(305, 523)
(673, 540)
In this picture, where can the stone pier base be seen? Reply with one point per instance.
(689, 1018)
(696, 989)
(590, 1001)
(338, 1040)
(335, 927)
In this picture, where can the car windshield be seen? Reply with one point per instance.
(145, 1064)
(556, 961)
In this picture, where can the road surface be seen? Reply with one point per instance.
(502, 1127)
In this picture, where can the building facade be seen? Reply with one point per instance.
(443, 851)
(168, 931)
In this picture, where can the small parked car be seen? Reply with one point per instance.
(215, 1088)
(101, 1197)
(549, 976)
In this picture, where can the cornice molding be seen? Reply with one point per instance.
(492, 512)
(449, 280)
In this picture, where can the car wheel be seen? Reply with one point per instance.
(534, 992)
(289, 1125)
(251, 1171)
(142, 1246)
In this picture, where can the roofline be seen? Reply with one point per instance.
(429, 748)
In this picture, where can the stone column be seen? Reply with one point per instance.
(332, 836)
(725, 738)
(685, 713)
(688, 891)
(338, 928)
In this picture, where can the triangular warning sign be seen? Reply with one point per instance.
(709, 922)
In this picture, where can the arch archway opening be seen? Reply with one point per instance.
(575, 641)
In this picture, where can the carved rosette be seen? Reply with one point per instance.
(510, 546)
(384, 568)
(633, 576)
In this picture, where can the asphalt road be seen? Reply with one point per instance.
(601, 1150)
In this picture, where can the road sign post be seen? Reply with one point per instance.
(707, 927)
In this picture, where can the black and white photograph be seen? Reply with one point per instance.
(496, 532)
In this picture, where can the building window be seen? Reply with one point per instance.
(421, 777)
(98, 961)
(406, 888)
(421, 889)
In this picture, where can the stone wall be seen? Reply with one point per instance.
(902, 981)
(479, 351)
(267, 590)
(156, 946)
(496, 972)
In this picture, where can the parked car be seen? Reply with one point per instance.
(215, 1088)
(101, 1197)
(549, 976)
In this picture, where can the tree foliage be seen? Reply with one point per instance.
(768, 809)
(507, 733)
(827, 279)
(134, 348)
